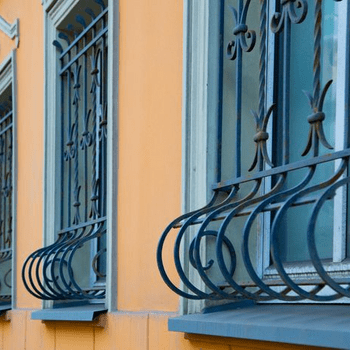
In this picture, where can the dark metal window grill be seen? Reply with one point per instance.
(216, 221)
(6, 206)
(74, 267)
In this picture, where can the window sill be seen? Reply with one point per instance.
(313, 325)
(82, 313)
(4, 314)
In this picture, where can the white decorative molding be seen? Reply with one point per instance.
(11, 30)
(47, 4)
(198, 117)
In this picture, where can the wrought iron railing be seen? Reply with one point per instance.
(73, 267)
(6, 206)
(271, 195)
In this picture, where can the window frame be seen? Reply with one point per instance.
(54, 14)
(200, 96)
(8, 76)
(340, 201)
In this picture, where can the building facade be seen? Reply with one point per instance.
(196, 145)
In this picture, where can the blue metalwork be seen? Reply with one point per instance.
(57, 272)
(227, 205)
(6, 204)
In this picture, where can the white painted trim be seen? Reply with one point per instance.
(342, 92)
(14, 177)
(112, 154)
(194, 120)
(199, 115)
(11, 30)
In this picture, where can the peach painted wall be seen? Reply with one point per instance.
(29, 97)
(149, 189)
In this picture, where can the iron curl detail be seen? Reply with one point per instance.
(292, 10)
(245, 38)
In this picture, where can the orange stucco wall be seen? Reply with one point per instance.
(149, 183)
(149, 188)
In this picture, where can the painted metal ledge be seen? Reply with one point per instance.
(4, 308)
(313, 325)
(83, 313)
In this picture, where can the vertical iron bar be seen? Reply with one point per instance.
(286, 87)
(239, 101)
(262, 59)
(262, 68)
(94, 90)
(4, 184)
(84, 115)
(9, 231)
(317, 51)
(221, 87)
(69, 185)
(317, 68)
(76, 87)
(2, 209)
(103, 104)
(76, 203)
(62, 85)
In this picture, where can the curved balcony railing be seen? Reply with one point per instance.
(224, 212)
(54, 272)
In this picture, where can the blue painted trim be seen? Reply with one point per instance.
(313, 325)
(228, 306)
(83, 313)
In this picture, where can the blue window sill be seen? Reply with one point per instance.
(4, 308)
(82, 313)
(313, 325)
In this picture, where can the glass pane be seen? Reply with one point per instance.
(249, 94)
(293, 242)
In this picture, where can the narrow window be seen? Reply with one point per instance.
(6, 195)
(74, 266)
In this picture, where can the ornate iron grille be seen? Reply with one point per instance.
(271, 194)
(6, 208)
(74, 266)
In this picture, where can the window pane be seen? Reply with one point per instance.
(293, 242)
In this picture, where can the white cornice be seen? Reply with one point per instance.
(11, 30)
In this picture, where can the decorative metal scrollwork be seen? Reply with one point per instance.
(293, 10)
(260, 139)
(245, 39)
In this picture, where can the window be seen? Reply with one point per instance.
(73, 263)
(7, 180)
(266, 134)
